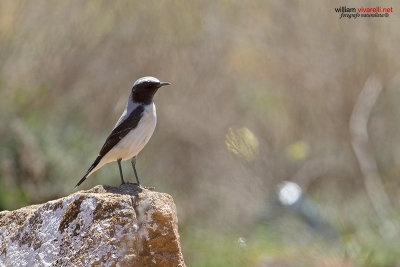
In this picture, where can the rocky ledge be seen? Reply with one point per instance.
(104, 226)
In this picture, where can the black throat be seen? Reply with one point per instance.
(143, 94)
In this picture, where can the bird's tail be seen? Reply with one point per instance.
(95, 163)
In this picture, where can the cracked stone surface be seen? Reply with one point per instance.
(104, 226)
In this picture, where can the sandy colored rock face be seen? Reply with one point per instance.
(104, 226)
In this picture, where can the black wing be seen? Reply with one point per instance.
(122, 130)
(116, 135)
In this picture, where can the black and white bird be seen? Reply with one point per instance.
(133, 129)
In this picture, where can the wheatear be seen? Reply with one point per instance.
(133, 129)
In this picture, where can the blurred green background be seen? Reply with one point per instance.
(263, 92)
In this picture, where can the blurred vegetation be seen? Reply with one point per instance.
(262, 92)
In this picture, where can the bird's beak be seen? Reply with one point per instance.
(164, 83)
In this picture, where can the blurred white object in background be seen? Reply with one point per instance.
(289, 193)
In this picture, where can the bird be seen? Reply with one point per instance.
(133, 129)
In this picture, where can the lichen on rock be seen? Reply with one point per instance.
(106, 226)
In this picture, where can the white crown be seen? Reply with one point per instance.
(146, 79)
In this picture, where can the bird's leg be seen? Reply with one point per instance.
(120, 171)
(133, 161)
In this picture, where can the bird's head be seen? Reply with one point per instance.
(144, 89)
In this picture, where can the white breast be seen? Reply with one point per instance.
(135, 140)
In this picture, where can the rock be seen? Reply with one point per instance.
(104, 226)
